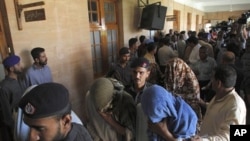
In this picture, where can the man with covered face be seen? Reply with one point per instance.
(111, 112)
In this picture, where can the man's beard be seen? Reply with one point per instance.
(59, 136)
(43, 63)
(18, 72)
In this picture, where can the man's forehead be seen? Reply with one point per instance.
(140, 69)
(42, 54)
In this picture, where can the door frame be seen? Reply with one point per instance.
(6, 29)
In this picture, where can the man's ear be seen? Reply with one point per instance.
(11, 69)
(36, 60)
(66, 120)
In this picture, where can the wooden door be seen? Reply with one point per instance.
(189, 21)
(176, 23)
(3, 47)
(103, 21)
(197, 23)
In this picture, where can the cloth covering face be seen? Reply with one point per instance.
(157, 104)
(112, 98)
(181, 80)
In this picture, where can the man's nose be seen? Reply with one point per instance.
(34, 135)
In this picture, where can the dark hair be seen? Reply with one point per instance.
(35, 52)
(204, 48)
(124, 50)
(142, 38)
(132, 41)
(226, 74)
(235, 48)
(192, 39)
(165, 40)
(183, 32)
(200, 34)
(150, 47)
(228, 57)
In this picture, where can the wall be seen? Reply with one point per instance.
(131, 17)
(222, 16)
(65, 36)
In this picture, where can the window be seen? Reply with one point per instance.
(93, 11)
(109, 10)
(103, 33)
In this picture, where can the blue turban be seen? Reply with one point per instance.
(11, 61)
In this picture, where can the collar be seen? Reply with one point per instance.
(35, 67)
(205, 60)
(227, 93)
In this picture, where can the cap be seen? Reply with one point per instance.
(45, 100)
(101, 92)
(140, 62)
(124, 50)
(11, 61)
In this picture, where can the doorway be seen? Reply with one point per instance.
(103, 19)
(176, 23)
(197, 23)
(189, 21)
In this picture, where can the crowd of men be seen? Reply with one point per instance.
(205, 69)
(171, 87)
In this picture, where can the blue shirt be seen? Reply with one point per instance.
(36, 76)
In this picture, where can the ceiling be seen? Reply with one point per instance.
(217, 5)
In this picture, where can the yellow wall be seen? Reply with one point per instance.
(65, 36)
(223, 16)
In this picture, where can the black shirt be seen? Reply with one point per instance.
(78, 133)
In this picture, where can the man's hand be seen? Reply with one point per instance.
(196, 138)
(107, 116)
(158, 128)
(161, 129)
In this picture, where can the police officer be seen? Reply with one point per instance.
(47, 111)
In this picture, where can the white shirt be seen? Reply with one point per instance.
(194, 55)
(220, 114)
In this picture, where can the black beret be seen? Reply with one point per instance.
(45, 100)
(140, 62)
